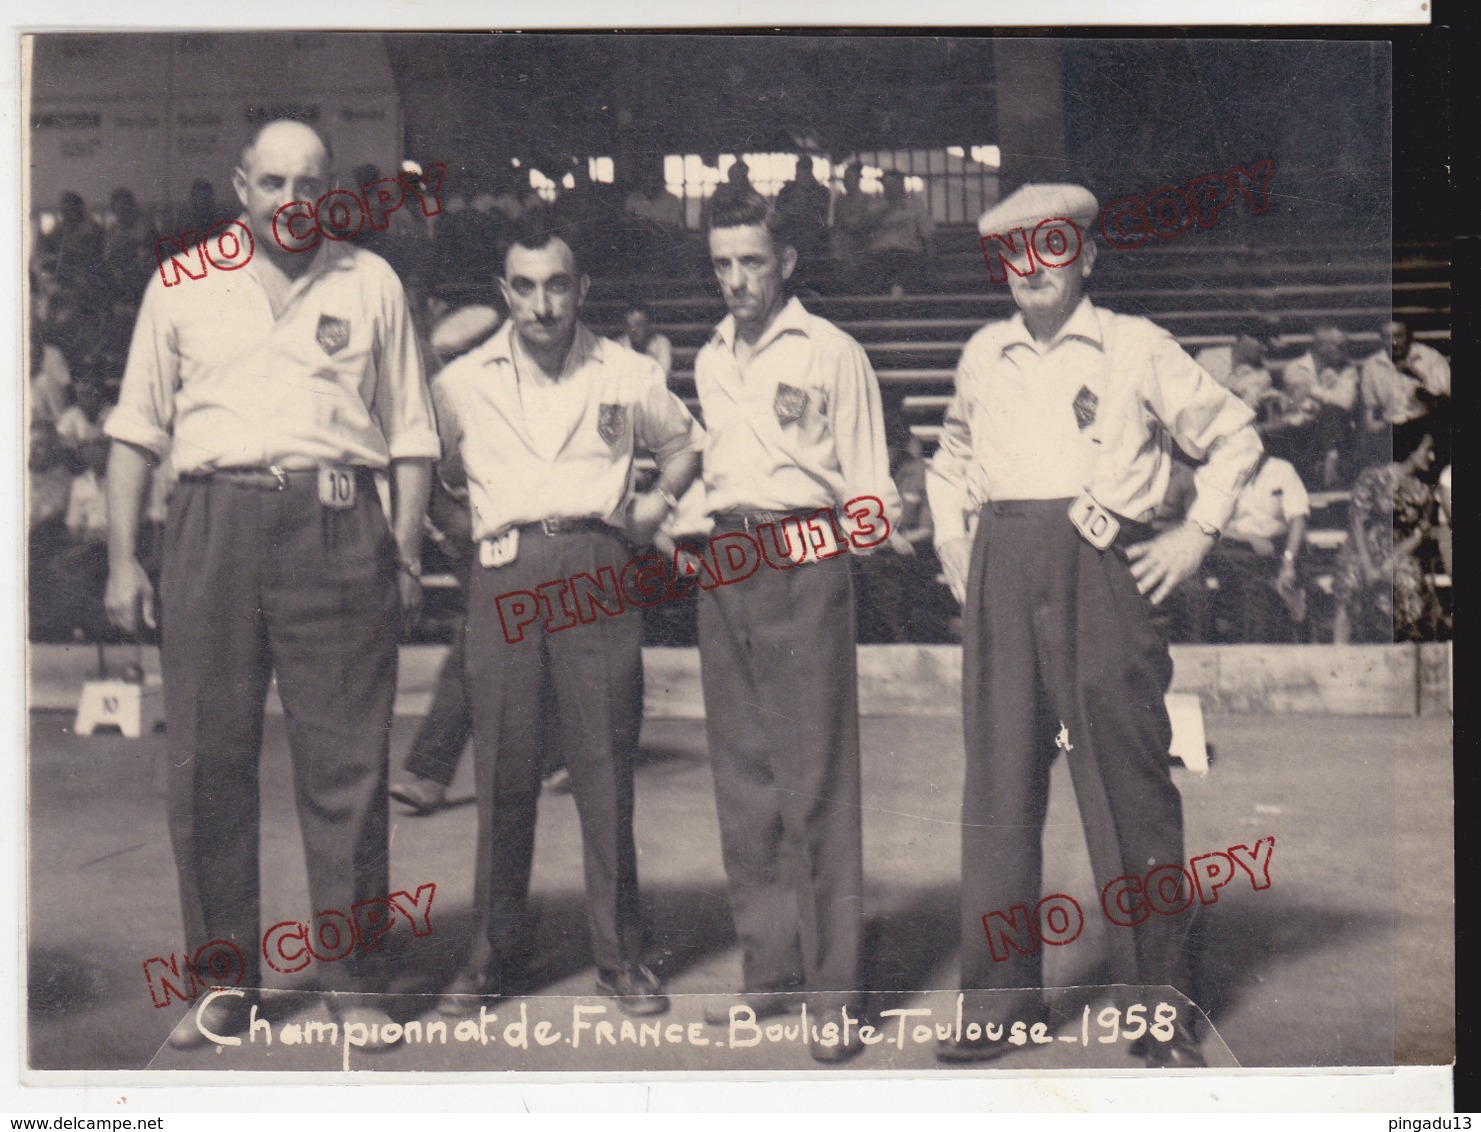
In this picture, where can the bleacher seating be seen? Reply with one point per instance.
(1198, 290)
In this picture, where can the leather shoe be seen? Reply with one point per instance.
(225, 1015)
(1178, 1052)
(765, 1004)
(636, 990)
(421, 795)
(470, 989)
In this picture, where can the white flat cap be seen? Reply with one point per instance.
(1029, 206)
(461, 330)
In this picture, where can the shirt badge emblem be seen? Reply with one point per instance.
(789, 404)
(1085, 406)
(612, 422)
(333, 334)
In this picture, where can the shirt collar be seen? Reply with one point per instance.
(585, 347)
(1084, 324)
(792, 317)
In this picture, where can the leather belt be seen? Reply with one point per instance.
(751, 520)
(1132, 530)
(565, 526)
(271, 478)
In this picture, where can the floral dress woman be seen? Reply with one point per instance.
(1380, 583)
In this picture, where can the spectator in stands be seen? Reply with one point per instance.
(1240, 367)
(853, 218)
(409, 233)
(202, 210)
(80, 566)
(87, 501)
(1316, 420)
(83, 420)
(1424, 366)
(803, 207)
(736, 186)
(50, 380)
(899, 599)
(74, 248)
(901, 235)
(1382, 584)
(49, 484)
(651, 227)
(1398, 383)
(644, 339)
(128, 248)
(512, 195)
(652, 204)
(70, 317)
(468, 240)
(592, 216)
(1256, 564)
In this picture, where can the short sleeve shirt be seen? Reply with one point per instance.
(799, 427)
(565, 452)
(1269, 503)
(215, 380)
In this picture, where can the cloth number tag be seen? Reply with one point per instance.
(496, 552)
(1098, 526)
(815, 542)
(337, 488)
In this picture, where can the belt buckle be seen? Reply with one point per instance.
(279, 475)
(550, 526)
(755, 520)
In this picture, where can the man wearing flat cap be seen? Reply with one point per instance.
(1055, 453)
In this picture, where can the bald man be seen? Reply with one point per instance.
(282, 385)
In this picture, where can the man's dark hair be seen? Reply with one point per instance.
(1409, 435)
(638, 307)
(749, 209)
(536, 228)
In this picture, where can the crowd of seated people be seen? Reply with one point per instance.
(1371, 436)
(1326, 415)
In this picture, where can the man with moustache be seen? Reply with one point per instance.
(279, 387)
(796, 426)
(543, 423)
(1059, 443)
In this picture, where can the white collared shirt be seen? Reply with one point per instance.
(215, 380)
(561, 452)
(797, 426)
(1096, 408)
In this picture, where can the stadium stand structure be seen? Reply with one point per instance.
(1199, 293)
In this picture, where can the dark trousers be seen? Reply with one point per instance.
(448, 725)
(256, 582)
(581, 686)
(779, 669)
(1057, 636)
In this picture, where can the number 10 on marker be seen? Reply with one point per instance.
(1094, 522)
(337, 488)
